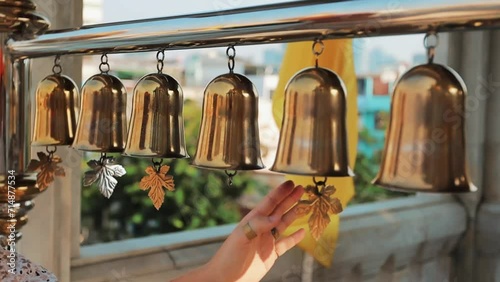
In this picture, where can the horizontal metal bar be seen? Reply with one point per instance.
(296, 21)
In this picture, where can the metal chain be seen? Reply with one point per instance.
(50, 152)
(231, 53)
(102, 158)
(317, 48)
(318, 184)
(157, 164)
(104, 66)
(160, 57)
(431, 41)
(230, 177)
(57, 69)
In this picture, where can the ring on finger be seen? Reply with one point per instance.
(249, 232)
(275, 233)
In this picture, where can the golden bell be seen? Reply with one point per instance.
(425, 143)
(55, 111)
(102, 126)
(156, 127)
(229, 132)
(313, 136)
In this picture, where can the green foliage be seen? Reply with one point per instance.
(201, 199)
(366, 169)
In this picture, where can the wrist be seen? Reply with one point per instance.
(210, 272)
(205, 272)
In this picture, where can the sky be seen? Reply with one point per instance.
(402, 47)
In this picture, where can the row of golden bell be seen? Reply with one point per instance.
(424, 148)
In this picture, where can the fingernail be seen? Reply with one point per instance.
(288, 182)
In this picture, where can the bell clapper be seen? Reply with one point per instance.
(230, 177)
(431, 41)
(317, 48)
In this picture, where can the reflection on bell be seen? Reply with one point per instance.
(229, 132)
(55, 112)
(313, 136)
(102, 123)
(157, 126)
(425, 143)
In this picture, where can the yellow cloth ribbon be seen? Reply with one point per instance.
(337, 56)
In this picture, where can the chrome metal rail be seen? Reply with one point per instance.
(295, 21)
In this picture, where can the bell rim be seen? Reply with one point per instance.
(159, 156)
(471, 188)
(237, 168)
(349, 173)
(41, 144)
(107, 150)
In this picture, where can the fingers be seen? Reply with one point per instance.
(285, 244)
(274, 198)
(289, 201)
(263, 224)
(288, 218)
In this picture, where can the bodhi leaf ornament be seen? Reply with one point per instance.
(103, 173)
(155, 181)
(47, 167)
(321, 205)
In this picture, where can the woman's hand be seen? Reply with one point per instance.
(251, 249)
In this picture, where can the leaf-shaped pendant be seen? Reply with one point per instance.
(47, 167)
(155, 181)
(321, 206)
(103, 173)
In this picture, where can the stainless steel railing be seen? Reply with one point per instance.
(296, 21)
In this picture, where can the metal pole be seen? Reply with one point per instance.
(15, 114)
(17, 187)
(18, 115)
(3, 107)
(267, 24)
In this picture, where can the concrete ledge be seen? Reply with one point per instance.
(374, 237)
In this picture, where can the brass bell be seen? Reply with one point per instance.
(313, 136)
(229, 132)
(157, 127)
(102, 126)
(55, 111)
(425, 143)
